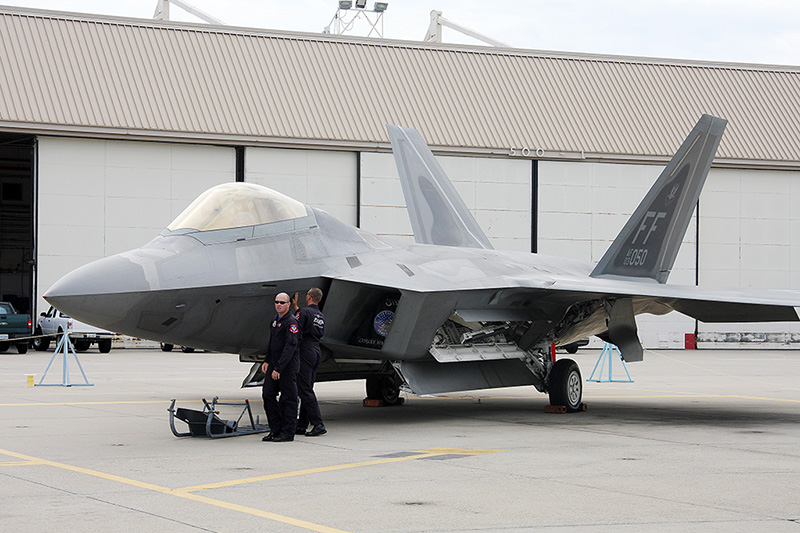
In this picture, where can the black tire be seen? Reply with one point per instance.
(81, 346)
(4, 346)
(41, 344)
(165, 347)
(384, 388)
(187, 349)
(104, 345)
(566, 385)
(572, 348)
(22, 347)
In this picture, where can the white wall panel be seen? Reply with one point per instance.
(65, 240)
(564, 198)
(606, 194)
(130, 182)
(722, 205)
(98, 198)
(126, 212)
(319, 178)
(72, 210)
(496, 191)
(750, 238)
(514, 197)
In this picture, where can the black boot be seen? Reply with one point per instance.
(316, 431)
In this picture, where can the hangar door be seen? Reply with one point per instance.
(16, 220)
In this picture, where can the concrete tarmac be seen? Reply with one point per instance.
(700, 441)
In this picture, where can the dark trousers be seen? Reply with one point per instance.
(281, 415)
(306, 376)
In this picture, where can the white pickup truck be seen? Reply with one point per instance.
(82, 335)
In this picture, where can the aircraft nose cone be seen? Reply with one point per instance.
(93, 293)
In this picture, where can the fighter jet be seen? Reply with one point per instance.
(447, 313)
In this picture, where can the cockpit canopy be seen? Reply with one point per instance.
(237, 205)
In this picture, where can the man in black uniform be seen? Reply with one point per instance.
(280, 369)
(312, 325)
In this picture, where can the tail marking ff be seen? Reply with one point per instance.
(649, 242)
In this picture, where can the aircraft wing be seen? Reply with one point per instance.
(706, 304)
(550, 299)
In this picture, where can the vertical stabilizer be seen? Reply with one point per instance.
(648, 244)
(438, 214)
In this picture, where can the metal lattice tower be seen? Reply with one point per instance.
(347, 16)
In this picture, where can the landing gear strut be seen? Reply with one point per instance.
(565, 385)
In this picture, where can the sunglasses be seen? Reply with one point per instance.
(280, 302)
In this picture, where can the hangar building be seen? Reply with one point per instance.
(110, 127)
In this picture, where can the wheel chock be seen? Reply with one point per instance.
(560, 409)
(369, 402)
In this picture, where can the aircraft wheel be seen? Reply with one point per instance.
(187, 349)
(385, 388)
(81, 346)
(104, 345)
(4, 346)
(165, 347)
(566, 385)
(22, 347)
(41, 344)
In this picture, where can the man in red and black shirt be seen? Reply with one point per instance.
(280, 368)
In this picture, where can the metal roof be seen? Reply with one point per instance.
(75, 74)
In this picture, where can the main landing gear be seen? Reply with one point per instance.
(385, 389)
(565, 385)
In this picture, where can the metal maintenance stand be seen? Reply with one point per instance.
(65, 346)
(206, 423)
(607, 353)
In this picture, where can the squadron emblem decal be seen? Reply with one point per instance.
(383, 322)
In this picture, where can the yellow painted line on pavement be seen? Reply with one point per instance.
(458, 451)
(421, 454)
(257, 512)
(654, 396)
(179, 493)
(188, 494)
(37, 404)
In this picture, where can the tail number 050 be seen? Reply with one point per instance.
(635, 257)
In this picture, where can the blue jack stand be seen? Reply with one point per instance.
(65, 346)
(607, 353)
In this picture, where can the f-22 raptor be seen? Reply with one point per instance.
(447, 313)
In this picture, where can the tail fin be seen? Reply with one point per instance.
(648, 244)
(438, 214)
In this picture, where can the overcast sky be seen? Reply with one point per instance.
(767, 31)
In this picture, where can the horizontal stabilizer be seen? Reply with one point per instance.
(648, 244)
(438, 214)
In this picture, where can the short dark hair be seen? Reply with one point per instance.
(316, 294)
